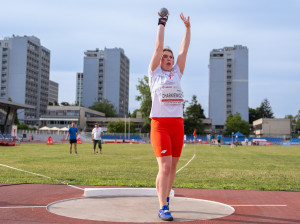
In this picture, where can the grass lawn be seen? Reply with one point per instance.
(244, 167)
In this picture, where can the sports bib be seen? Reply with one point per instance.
(170, 94)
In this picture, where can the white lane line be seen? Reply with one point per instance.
(42, 176)
(25, 171)
(75, 187)
(259, 205)
(25, 207)
(186, 163)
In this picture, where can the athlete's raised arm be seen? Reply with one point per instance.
(159, 43)
(184, 47)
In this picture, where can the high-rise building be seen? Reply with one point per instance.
(53, 92)
(228, 84)
(79, 79)
(25, 65)
(106, 76)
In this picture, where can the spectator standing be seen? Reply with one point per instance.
(72, 136)
(236, 140)
(211, 139)
(96, 138)
(219, 138)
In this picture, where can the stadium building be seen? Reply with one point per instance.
(63, 116)
(272, 127)
(105, 76)
(53, 92)
(228, 84)
(79, 78)
(84, 118)
(25, 65)
(8, 112)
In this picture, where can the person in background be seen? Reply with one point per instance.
(72, 137)
(236, 140)
(96, 138)
(211, 137)
(219, 138)
(246, 141)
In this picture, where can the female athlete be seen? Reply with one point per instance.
(167, 131)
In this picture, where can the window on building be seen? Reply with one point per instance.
(219, 126)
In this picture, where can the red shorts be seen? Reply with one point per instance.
(167, 135)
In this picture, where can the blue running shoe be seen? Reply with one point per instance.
(165, 214)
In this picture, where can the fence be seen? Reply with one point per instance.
(58, 136)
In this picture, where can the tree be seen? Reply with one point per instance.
(193, 115)
(184, 106)
(194, 109)
(265, 109)
(254, 114)
(56, 103)
(16, 121)
(50, 104)
(65, 104)
(134, 113)
(297, 119)
(144, 97)
(105, 107)
(298, 125)
(146, 126)
(24, 126)
(119, 127)
(293, 122)
(234, 123)
(146, 101)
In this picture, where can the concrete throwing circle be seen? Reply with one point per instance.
(138, 209)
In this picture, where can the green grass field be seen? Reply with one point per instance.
(245, 167)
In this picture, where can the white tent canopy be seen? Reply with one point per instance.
(64, 129)
(54, 129)
(45, 128)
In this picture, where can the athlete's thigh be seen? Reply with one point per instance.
(177, 138)
(160, 139)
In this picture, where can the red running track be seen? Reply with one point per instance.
(14, 196)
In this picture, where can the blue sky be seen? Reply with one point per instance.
(270, 30)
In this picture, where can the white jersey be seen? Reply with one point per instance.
(96, 133)
(166, 94)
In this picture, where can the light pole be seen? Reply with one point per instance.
(129, 129)
(232, 140)
(125, 128)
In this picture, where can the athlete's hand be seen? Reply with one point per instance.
(185, 20)
(162, 20)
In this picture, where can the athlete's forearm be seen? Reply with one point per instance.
(185, 44)
(160, 38)
(158, 48)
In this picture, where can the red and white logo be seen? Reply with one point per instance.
(170, 75)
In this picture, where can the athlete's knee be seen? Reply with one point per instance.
(165, 168)
(173, 167)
